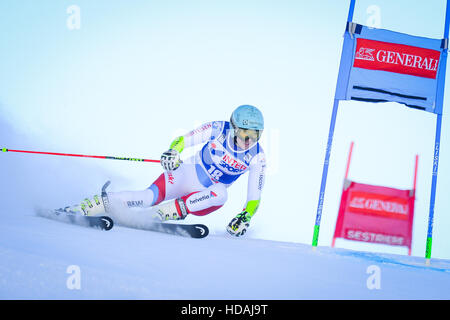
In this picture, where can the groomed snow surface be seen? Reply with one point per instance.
(46, 259)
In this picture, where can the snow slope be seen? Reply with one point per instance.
(124, 263)
(127, 263)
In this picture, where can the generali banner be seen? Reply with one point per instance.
(379, 65)
(398, 58)
(375, 214)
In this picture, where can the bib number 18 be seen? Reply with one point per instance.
(215, 173)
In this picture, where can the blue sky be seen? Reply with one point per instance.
(138, 73)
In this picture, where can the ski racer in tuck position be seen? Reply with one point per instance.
(199, 185)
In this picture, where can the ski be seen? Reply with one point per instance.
(185, 230)
(98, 222)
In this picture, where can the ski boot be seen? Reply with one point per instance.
(90, 207)
(172, 210)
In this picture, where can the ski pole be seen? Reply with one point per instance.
(79, 155)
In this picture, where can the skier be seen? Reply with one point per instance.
(198, 186)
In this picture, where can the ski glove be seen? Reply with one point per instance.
(238, 225)
(170, 160)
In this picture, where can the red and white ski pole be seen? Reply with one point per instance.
(79, 155)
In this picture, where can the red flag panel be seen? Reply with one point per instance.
(375, 214)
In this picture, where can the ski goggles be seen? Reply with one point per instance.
(245, 134)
